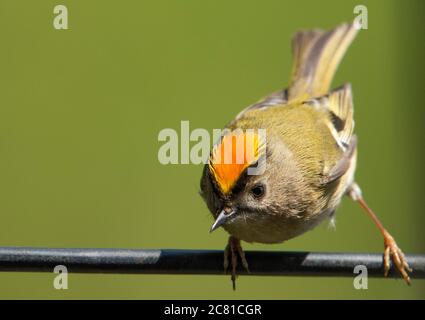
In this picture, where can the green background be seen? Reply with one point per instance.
(80, 112)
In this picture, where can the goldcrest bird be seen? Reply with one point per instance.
(310, 157)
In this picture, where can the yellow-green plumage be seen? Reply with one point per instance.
(310, 151)
(303, 129)
(310, 154)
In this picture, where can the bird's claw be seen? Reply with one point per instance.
(234, 249)
(393, 252)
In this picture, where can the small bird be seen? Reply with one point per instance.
(310, 155)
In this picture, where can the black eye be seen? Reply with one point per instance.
(258, 190)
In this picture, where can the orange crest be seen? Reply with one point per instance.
(231, 156)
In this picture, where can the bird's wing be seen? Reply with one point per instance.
(339, 106)
(344, 163)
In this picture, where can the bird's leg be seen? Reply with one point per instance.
(392, 251)
(233, 249)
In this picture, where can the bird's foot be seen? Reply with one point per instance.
(232, 251)
(393, 252)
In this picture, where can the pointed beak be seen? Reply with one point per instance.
(224, 215)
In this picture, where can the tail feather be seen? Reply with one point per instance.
(317, 55)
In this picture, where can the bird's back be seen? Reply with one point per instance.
(303, 130)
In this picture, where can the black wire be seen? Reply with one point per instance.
(174, 261)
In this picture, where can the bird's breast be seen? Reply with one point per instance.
(268, 228)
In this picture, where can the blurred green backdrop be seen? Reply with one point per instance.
(80, 112)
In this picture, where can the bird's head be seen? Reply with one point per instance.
(231, 184)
